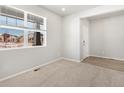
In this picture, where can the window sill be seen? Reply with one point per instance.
(30, 47)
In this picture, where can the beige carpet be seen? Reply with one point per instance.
(68, 74)
(106, 63)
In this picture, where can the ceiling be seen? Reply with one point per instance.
(106, 15)
(70, 9)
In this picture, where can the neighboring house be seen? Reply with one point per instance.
(8, 40)
(1, 38)
(20, 39)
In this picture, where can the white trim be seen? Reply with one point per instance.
(104, 57)
(12, 27)
(24, 47)
(107, 57)
(21, 28)
(30, 69)
(70, 59)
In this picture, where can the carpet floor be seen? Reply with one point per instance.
(72, 74)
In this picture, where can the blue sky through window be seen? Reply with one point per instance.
(11, 21)
(20, 22)
(2, 19)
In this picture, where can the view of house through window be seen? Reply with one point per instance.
(13, 31)
(10, 38)
(35, 38)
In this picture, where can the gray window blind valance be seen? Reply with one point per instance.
(10, 12)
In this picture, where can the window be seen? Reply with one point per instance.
(21, 29)
(35, 22)
(10, 16)
(11, 38)
(35, 38)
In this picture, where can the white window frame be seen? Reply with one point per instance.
(26, 30)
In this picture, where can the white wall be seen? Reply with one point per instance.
(84, 36)
(13, 61)
(71, 38)
(71, 25)
(107, 37)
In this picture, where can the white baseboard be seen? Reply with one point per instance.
(107, 57)
(19, 73)
(69, 59)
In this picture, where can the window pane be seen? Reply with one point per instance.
(37, 21)
(31, 25)
(35, 38)
(20, 22)
(11, 21)
(2, 19)
(10, 38)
